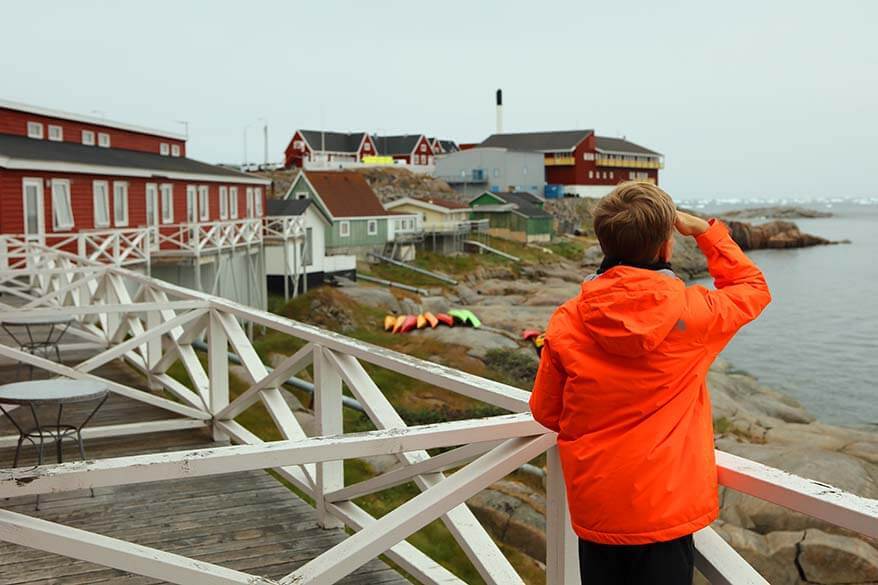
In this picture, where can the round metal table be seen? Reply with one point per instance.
(57, 392)
(57, 324)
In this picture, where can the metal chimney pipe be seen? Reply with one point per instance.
(499, 111)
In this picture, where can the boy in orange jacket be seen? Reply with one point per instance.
(622, 381)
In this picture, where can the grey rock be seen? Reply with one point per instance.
(468, 295)
(832, 558)
(435, 304)
(773, 555)
(478, 340)
(593, 256)
(409, 307)
(371, 296)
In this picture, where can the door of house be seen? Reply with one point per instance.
(152, 212)
(34, 218)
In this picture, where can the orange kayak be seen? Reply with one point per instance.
(389, 322)
(422, 321)
(445, 319)
(431, 319)
(410, 323)
(399, 323)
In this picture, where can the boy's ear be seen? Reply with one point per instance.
(667, 250)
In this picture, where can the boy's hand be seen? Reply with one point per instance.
(690, 225)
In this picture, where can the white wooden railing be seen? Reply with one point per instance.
(284, 227)
(119, 247)
(155, 326)
(197, 239)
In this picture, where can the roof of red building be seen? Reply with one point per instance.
(345, 193)
(550, 141)
(605, 143)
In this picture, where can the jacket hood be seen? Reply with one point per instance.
(629, 311)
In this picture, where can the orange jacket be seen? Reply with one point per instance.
(622, 381)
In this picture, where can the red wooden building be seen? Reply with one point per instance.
(411, 149)
(328, 148)
(66, 173)
(586, 164)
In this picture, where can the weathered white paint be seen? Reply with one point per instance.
(719, 562)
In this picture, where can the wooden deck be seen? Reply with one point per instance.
(245, 521)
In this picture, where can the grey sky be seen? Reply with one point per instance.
(744, 98)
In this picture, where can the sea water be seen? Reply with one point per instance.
(818, 340)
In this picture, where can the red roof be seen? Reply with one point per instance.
(345, 193)
(446, 203)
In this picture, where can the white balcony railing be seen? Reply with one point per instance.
(118, 247)
(198, 239)
(155, 327)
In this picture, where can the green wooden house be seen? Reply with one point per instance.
(513, 215)
(359, 222)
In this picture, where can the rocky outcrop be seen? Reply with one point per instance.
(391, 183)
(772, 234)
(779, 212)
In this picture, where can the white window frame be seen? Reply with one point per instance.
(249, 202)
(164, 149)
(372, 227)
(101, 201)
(224, 202)
(233, 202)
(88, 137)
(257, 201)
(59, 130)
(120, 195)
(423, 147)
(591, 174)
(103, 140)
(166, 195)
(60, 206)
(203, 202)
(301, 195)
(191, 204)
(156, 210)
(175, 150)
(344, 229)
(35, 130)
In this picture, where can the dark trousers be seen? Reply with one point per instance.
(658, 563)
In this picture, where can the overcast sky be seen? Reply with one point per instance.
(746, 98)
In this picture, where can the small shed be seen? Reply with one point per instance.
(514, 215)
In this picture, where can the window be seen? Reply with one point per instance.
(56, 133)
(101, 193)
(233, 202)
(605, 174)
(298, 144)
(344, 229)
(258, 202)
(167, 203)
(611, 174)
(587, 156)
(175, 150)
(591, 174)
(249, 202)
(152, 204)
(423, 148)
(204, 202)
(120, 203)
(308, 255)
(103, 140)
(367, 147)
(224, 202)
(62, 212)
(34, 130)
(496, 172)
(164, 149)
(191, 203)
(88, 138)
(302, 195)
(372, 227)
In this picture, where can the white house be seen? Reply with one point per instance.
(295, 247)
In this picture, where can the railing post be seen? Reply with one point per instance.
(562, 546)
(328, 414)
(153, 347)
(218, 370)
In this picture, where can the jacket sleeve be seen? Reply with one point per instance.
(546, 400)
(741, 291)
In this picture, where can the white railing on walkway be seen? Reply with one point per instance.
(119, 247)
(155, 326)
(198, 239)
(284, 227)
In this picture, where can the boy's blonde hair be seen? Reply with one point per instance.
(633, 222)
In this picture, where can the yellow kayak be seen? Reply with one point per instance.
(431, 319)
(399, 323)
(422, 321)
(389, 322)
